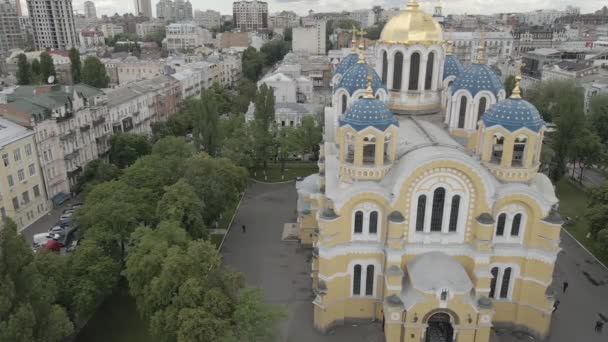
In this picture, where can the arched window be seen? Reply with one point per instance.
(500, 226)
(428, 79)
(350, 148)
(462, 114)
(357, 280)
(437, 214)
(504, 287)
(369, 280)
(369, 150)
(497, 149)
(398, 71)
(518, 151)
(358, 222)
(483, 102)
(344, 103)
(414, 71)
(384, 67)
(454, 213)
(373, 222)
(420, 213)
(516, 225)
(494, 273)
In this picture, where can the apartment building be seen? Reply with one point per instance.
(91, 38)
(250, 15)
(71, 129)
(185, 36)
(310, 39)
(208, 19)
(11, 35)
(530, 38)
(149, 27)
(143, 7)
(110, 30)
(22, 194)
(365, 17)
(53, 24)
(89, 10)
(285, 19)
(497, 44)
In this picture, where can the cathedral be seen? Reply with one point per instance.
(429, 213)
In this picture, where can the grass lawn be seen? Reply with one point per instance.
(292, 170)
(573, 203)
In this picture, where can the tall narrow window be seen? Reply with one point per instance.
(414, 71)
(500, 226)
(454, 213)
(369, 280)
(493, 282)
(462, 114)
(516, 225)
(384, 67)
(428, 79)
(397, 71)
(357, 280)
(437, 214)
(483, 102)
(358, 222)
(504, 287)
(420, 213)
(373, 222)
(344, 103)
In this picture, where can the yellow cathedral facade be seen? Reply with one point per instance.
(428, 213)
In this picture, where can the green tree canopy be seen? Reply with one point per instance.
(35, 75)
(206, 116)
(94, 73)
(47, 68)
(275, 50)
(181, 204)
(75, 65)
(127, 147)
(23, 70)
(96, 172)
(264, 127)
(598, 114)
(510, 85)
(252, 64)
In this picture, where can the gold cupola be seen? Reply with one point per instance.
(412, 26)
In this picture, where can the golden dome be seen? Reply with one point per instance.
(412, 26)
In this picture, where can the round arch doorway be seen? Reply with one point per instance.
(439, 328)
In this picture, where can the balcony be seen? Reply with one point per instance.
(99, 121)
(85, 128)
(69, 134)
(67, 116)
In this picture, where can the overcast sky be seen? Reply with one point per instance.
(302, 6)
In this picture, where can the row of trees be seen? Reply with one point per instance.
(254, 61)
(36, 72)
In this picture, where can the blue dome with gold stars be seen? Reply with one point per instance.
(513, 114)
(479, 77)
(346, 63)
(356, 79)
(452, 67)
(368, 112)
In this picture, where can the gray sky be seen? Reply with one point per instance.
(302, 6)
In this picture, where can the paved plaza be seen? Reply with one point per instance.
(282, 270)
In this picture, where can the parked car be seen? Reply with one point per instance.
(68, 211)
(41, 239)
(66, 217)
(61, 230)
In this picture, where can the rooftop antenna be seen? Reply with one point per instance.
(51, 79)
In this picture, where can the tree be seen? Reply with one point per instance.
(75, 65)
(587, 152)
(35, 75)
(246, 91)
(288, 34)
(308, 137)
(510, 85)
(47, 68)
(254, 319)
(375, 31)
(252, 64)
(602, 241)
(96, 172)
(263, 125)
(126, 148)
(28, 308)
(274, 51)
(23, 70)
(157, 37)
(181, 204)
(598, 114)
(206, 116)
(237, 141)
(94, 73)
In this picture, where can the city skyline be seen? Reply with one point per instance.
(301, 7)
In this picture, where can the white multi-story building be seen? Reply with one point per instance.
(53, 24)
(11, 35)
(91, 38)
(250, 15)
(546, 16)
(149, 27)
(297, 89)
(110, 30)
(182, 36)
(230, 66)
(133, 69)
(498, 44)
(89, 9)
(194, 77)
(208, 19)
(310, 39)
(365, 17)
(285, 19)
(143, 7)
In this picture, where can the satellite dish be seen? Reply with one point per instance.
(51, 79)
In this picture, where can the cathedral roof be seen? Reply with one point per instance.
(346, 63)
(433, 271)
(477, 78)
(452, 67)
(368, 112)
(513, 114)
(356, 79)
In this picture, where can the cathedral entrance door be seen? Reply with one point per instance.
(439, 328)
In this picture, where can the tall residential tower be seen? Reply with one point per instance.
(250, 15)
(53, 24)
(89, 9)
(143, 7)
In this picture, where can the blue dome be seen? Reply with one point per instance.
(356, 79)
(452, 67)
(368, 112)
(477, 78)
(346, 63)
(513, 114)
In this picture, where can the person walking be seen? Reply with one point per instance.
(598, 326)
(565, 287)
(244, 229)
(555, 305)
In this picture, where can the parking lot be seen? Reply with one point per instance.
(47, 222)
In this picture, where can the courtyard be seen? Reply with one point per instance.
(282, 270)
